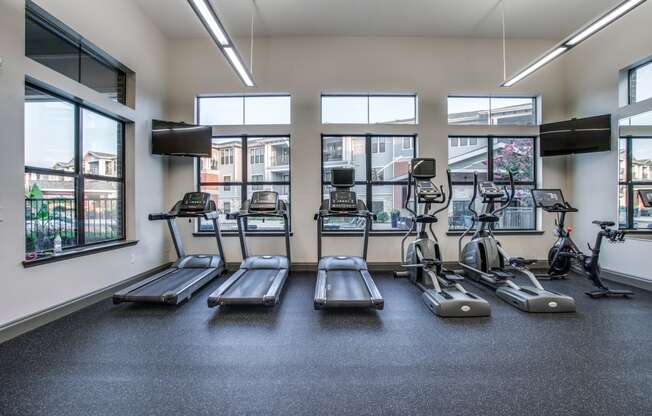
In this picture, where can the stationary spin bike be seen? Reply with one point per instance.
(485, 261)
(442, 289)
(564, 251)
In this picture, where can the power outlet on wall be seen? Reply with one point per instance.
(133, 259)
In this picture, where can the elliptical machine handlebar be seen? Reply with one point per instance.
(475, 194)
(510, 195)
(450, 194)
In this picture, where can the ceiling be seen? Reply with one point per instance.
(549, 19)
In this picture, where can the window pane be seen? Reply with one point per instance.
(459, 217)
(221, 111)
(267, 110)
(642, 215)
(346, 152)
(513, 111)
(51, 50)
(622, 206)
(268, 223)
(463, 160)
(345, 223)
(622, 160)
(392, 110)
(225, 163)
(103, 215)
(344, 110)
(642, 159)
(102, 143)
(468, 110)
(520, 215)
(516, 156)
(49, 132)
(268, 159)
(387, 202)
(227, 200)
(49, 211)
(641, 83)
(103, 78)
(392, 164)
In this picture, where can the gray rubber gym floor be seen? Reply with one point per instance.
(192, 360)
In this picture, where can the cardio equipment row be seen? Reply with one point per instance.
(344, 281)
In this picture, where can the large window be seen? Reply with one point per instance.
(493, 111)
(492, 158)
(74, 175)
(236, 110)
(368, 109)
(380, 176)
(635, 166)
(48, 42)
(640, 83)
(240, 165)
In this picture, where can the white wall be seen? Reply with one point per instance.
(121, 29)
(592, 81)
(307, 66)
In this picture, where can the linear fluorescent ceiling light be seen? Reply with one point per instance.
(576, 38)
(209, 19)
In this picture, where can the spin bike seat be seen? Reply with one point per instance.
(604, 224)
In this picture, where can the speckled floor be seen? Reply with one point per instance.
(192, 360)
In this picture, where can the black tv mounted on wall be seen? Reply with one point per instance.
(579, 135)
(181, 139)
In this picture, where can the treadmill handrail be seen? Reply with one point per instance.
(282, 213)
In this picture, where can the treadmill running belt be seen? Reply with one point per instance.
(254, 284)
(169, 282)
(346, 285)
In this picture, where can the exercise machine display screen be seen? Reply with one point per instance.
(343, 177)
(426, 190)
(490, 190)
(423, 168)
(646, 197)
(195, 202)
(544, 198)
(341, 200)
(264, 201)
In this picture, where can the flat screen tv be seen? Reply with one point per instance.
(579, 135)
(181, 139)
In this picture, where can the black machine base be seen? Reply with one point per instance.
(604, 293)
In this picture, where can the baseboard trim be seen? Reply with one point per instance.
(32, 321)
(627, 279)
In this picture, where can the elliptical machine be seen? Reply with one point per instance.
(442, 289)
(565, 250)
(485, 261)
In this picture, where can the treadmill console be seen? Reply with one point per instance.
(427, 191)
(490, 190)
(343, 200)
(264, 201)
(646, 197)
(196, 202)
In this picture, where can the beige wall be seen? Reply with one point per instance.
(307, 66)
(592, 84)
(121, 29)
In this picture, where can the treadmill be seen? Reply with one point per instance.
(189, 273)
(260, 279)
(344, 281)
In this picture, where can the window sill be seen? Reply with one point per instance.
(360, 234)
(78, 252)
(249, 234)
(505, 232)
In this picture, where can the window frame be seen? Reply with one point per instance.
(78, 175)
(631, 99)
(415, 96)
(245, 182)
(244, 97)
(490, 173)
(630, 185)
(368, 183)
(535, 110)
